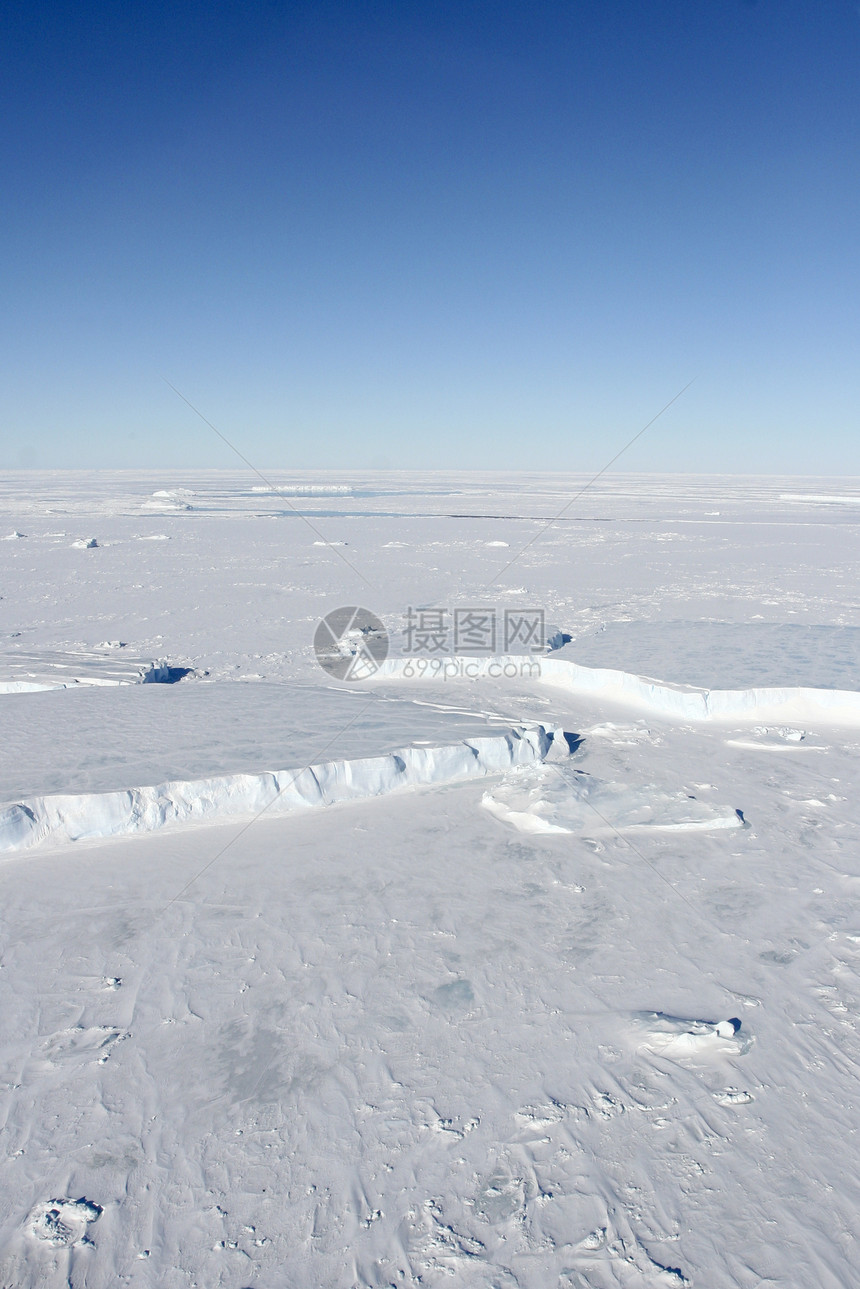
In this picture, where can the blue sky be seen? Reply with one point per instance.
(487, 235)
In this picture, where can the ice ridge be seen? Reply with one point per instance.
(684, 702)
(64, 818)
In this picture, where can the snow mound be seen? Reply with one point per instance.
(561, 799)
(13, 537)
(623, 735)
(762, 738)
(169, 499)
(62, 1222)
(85, 544)
(81, 1044)
(733, 1097)
(675, 1036)
(798, 705)
(66, 818)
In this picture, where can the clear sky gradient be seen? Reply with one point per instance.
(488, 235)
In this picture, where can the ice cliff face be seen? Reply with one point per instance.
(65, 818)
(675, 702)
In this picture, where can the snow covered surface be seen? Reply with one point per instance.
(587, 1021)
(715, 655)
(105, 738)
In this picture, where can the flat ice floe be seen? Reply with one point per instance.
(725, 655)
(30, 671)
(102, 738)
(558, 798)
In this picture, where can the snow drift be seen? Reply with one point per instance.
(66, 818)
(562, 799)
